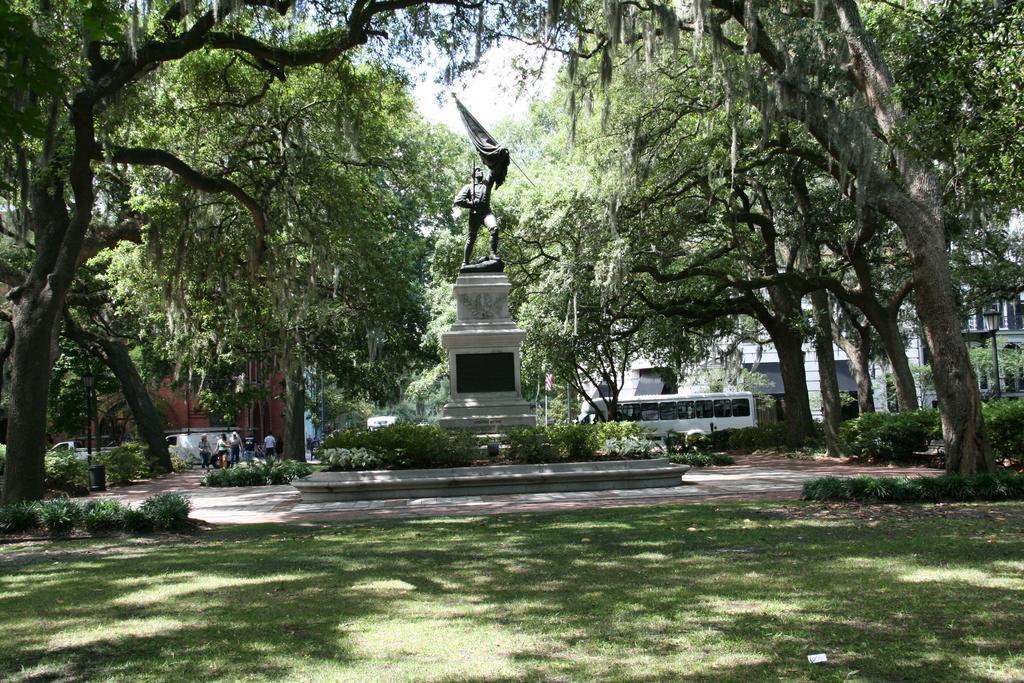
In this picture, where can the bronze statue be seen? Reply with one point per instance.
(476, 196)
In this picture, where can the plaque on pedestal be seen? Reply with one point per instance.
(483, 358)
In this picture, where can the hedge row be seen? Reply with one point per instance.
(164, 512)
(258, 474)
(954, 487)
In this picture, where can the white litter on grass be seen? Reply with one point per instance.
(817, 659)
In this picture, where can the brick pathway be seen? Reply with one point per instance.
(754, 477)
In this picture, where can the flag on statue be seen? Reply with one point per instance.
(549, 382)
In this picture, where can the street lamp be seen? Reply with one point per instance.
(993, 316)
(89, 381)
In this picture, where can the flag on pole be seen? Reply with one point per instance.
(494, 156)
(549, 382)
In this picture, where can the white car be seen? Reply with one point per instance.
(79, 448)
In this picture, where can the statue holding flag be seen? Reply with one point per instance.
(476, 194)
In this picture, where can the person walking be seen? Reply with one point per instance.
(235, 443)
(270, 446)
(222, 450)
(248, 448)
(204, 452)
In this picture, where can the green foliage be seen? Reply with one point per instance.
(167, 511)
(179, 460)
(103, 515)
(137, 521)
(1004, 424)
(529, 445)
(889, 436)
(66, 472)
(575, 441)
(350, 459)
(619, 430)
(772, 435)
(948, 487)
(408, 446)
(124, 464)
(3, 458)
(21, 516)
(273, 473)
(698, 443)
(60, 515)
(699, 459)
(632, 448)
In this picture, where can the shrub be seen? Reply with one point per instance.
(889, 436)
(903, 489)
(66, 472)
(698, 443)
(771, 435)
(701, 459)
(350, 459)
(180, 461)
(167, 511)
(21, 516)
(619, 430)
(1004, 423)
(530, 445)
(3, 458)
(575, 441)
(408, 446)
(60, 515)
(284, 471)
(137, 521)
(273, 473)
(124, 463)
(103, 515)
(631, 448)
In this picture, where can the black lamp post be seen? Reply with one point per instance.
(993, 316)
(89, 381)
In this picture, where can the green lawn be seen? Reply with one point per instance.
(727, 592)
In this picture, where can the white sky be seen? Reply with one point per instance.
(491, 92)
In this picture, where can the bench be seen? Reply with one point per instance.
(934, 454)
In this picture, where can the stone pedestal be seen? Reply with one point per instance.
(483, 358)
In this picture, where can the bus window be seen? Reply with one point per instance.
(649, 412)
(628, 412)
(685, 410)
(740, 407)
(723, 407)
(667, 410)
(703, 409)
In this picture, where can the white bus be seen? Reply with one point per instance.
(683, 413)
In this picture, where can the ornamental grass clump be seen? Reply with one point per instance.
(20, 517)
(948, 487)
(103, 515)
(701, 459)
(60, 515)
(167, 511)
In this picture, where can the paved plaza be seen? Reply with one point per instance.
(753, 477)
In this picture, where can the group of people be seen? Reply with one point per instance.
(230, 450)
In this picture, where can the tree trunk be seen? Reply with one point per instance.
(859, 356)
(799, 422)
(34, 324)
(916, 206)
(828, 381)
(887, 327)
(147, 418)
(293, 441)
(114, 354)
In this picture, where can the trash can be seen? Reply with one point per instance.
(97, 477)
